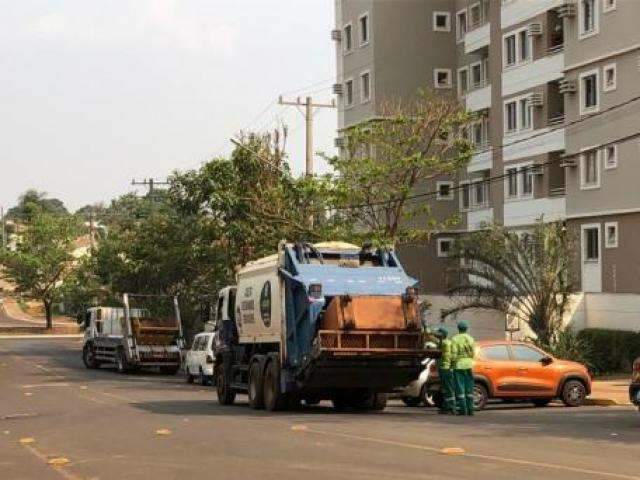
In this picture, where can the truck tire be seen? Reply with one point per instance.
(379, 401)
(122, 366)
(170, 369)
(273, 398)
(256, 385)
(89, 357)
(226, 395)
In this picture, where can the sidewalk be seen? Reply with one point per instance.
(609, 392)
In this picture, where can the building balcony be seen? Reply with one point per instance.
(477, 38)
(529, 211)
(478, 98)
(533, 142)
(539, 72)
(481, 160)
(513, 13)
(479, 217)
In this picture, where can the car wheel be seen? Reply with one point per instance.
(89, 357)
(541, 402)
(480, 396)
(573, 393)
(412, 401)
(256, 384)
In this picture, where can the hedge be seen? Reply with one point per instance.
(612, 351)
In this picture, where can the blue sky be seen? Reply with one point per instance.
(96, 92)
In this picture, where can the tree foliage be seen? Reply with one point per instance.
(523, 276)
(43, 257)
(393, 157)
(32, 203)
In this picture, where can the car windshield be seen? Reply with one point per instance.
(495, 352)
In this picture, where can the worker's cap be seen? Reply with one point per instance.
(442, 332)
(463, 326)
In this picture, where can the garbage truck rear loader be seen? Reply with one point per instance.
(329, 321)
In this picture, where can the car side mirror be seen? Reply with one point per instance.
(546, 360)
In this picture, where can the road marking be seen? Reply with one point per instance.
(494, 458)
(19, 415)
(26, 440)
(43, 385)
(163, 431)
(453, 451)
(56, 467)
(58, 461)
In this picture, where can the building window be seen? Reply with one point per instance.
(363, 21)
(527, 181)
(591, 236)
(510, 50)
(609, 5)
(477, 134)
(610, 80)
(441, 22)
(610, 156)
(349, 92)
(523, 46)
(611, 234)
(463, 80)
(365, 87)
(511, 116)
(445, 190)
(475, 14)
(525, 114)
(445, 247)
(518, 115)
(480, 193)
(512, 182)
(588, 18)
(476, 74)
(590, 170)
(517, 47)
(465, 195)
(589, 97)
(461, 25)
(442, 77)
(347, 43)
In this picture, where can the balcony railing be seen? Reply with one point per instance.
(553, 49)
(558, 191)
(556, 120)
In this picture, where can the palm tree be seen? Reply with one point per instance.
(524, 276)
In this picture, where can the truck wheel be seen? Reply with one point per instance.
(121, 362)
(89, 357)
(573, 393)
(226, 395)
(379, 401)
(412, 401)
(256, 386)
(204, 381)
(273, 397)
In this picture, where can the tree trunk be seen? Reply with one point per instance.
(48, 314)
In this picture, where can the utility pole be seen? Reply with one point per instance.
(308, 116)
(149, 182)
(4, 228)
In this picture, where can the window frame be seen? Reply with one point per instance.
(439, 243)
(464, 70)
(436, 84)
(582, 34)
(519, 61)
(613, 244)
(465, 185)
(582, 174)
(347, 103)
(584, 242)
(605, 68)
(522, 170)
(451, 195)
(605, 151)
(609, 8)
(584, 109)
(364, 42)
(434, 23)
(504, 346)
(364, 73)
(469, 15)
(460, 34)
(481, 81)
(517, 100)
(345, 50)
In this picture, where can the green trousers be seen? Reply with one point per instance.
(464, 391)
(447, 389)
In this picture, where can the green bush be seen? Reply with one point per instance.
(569, 346)
(612, 351)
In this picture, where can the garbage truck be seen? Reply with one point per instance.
(328, 321)
(145, 332)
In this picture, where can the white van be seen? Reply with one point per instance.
(199, 361)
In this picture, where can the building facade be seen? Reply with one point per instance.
(555, 86)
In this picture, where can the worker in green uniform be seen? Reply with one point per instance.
(463, 354)
(445, 371)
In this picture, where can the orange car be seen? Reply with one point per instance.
(520, 371)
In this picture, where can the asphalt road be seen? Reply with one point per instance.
(105, 425)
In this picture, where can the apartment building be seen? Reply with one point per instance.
(553, 84)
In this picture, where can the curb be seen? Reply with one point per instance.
(605, 402)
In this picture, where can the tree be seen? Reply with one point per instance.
(391, 158)
(525, 277)
(32, 202)
(43, 257)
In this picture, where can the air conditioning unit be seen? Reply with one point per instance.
(337, 88)
(336, 35)
(339, 142)
(567, 86)
(534, 29)
(567, 10)
(536, 99)
(568, 163)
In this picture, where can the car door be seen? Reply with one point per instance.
(191, 356)
(495, 364)
(538, 377)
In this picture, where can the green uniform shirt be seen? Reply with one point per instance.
(463, 351)
(446, 350)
